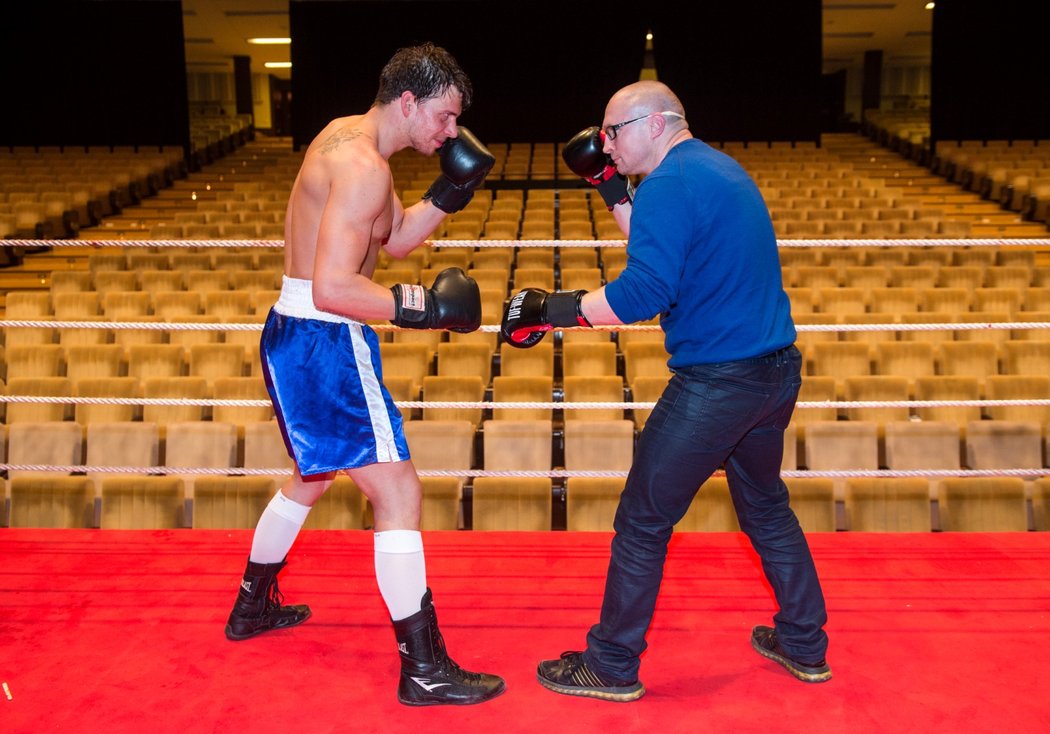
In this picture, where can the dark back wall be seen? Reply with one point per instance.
(541, 70)
(94, 73)
(745, 70)
(990, 70)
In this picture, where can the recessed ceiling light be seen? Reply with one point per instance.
(278, 64)
(270, 41)
(929, 6)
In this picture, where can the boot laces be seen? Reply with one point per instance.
(274, 597)
(451, 665)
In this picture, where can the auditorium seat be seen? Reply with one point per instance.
(711, 510)
(54, 443)
(98, 360)
(1018, 387)
(589, 359)
(593, 388)
(405, 360)
(440, 507)
(342, 507)
(465, 359)
(591, 502)
(598, 445)
(155, 360)
(977, 359)
(120, 305)
(917, 445)
(458, 388)
(813, 501)
(517, 445)
(511, 503)
(180, 388)
(71, 281)
(52, 502)
(212, 361)
(984, 504)
(264, 448)
(930, 336)
(839, 360)
(440, 444)
(240, 388)
(645, 359)
(944, 388)
(38, 387)
(841, 445)
(1004, 444)
(43, 360)
(522, 389)
(879, 388)
(905, 359)
(535, 361)
(1026, 357)
(1041, 503)
(888, 504)
(142, 503)
(106, 387)
(230, 502)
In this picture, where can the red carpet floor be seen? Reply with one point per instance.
(121, 632)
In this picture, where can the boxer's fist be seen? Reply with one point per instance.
(584, 157)
(533, 312)
(465, 162)
(453, 303)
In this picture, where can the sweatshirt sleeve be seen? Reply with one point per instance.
(661, 225)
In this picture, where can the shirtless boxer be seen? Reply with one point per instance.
(321, 362)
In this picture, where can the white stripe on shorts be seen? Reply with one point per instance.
(386, 448)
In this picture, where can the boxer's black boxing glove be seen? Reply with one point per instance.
(584, 157)
(453, 303)
(533, 312)
(465, 162)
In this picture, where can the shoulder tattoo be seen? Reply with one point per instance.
(341, 136)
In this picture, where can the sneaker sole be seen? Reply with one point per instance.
(790, 667)
(238, 638)
(618, 695)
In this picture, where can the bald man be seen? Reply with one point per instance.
(703, 256)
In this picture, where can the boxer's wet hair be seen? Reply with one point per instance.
(427, 71)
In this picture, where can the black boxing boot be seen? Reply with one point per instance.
(259, 605)
(429, 677)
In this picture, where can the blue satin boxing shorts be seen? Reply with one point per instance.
(325, 380)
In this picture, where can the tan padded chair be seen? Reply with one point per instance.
(71, 281)
(122, 444)
(195, 388)
(593, 389)
(599, 445)
(465, 359)
(230, 502)
(92, 361)
(126, 305)
(645, 358)
(156, 360)
(525, 389)
(511, 503)
(223, 304)
(626, 338)
(52, 502)
(342, 507)
(55, 443)
(212, 361)
(581, 278)
(440, 444)
(142, 503)
(1026, 357)
(646, 390)
(888, 504)
(44, 360)
(842, 301)
(1004, 444)
(535, 361)
(264, 448)
(813, 501)
(533, 277)
(984, 504)
(839, 360)
(1041, 503)
(1025, 387)
(107, 281)
(106, 387)
(591, 502)
(910, 359)
(895, 300)
(241, 388)
(518, 445)
(977, 359)
(199, 444)
(465, 388)
(877, 388)
(916, 445)
(712, 509)
(41, 387)
(441, 503)
(948, 387)
(838, 445)
(405, 360)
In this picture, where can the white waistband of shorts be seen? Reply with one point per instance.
(297, 301)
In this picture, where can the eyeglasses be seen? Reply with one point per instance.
(611, 131)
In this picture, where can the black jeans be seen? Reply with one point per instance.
(731, 414)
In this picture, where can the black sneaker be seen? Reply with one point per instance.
(764, 640)
(571, 676)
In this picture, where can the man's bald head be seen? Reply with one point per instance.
(648, 96)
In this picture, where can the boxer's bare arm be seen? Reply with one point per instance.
(356, 210)
(410, 227)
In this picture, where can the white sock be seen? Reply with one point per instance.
(401, 571)
(278, 527)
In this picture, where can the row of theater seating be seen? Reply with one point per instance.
(179, 499)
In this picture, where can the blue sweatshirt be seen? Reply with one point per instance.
(703, 255)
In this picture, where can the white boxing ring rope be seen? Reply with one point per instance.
(510, 405)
